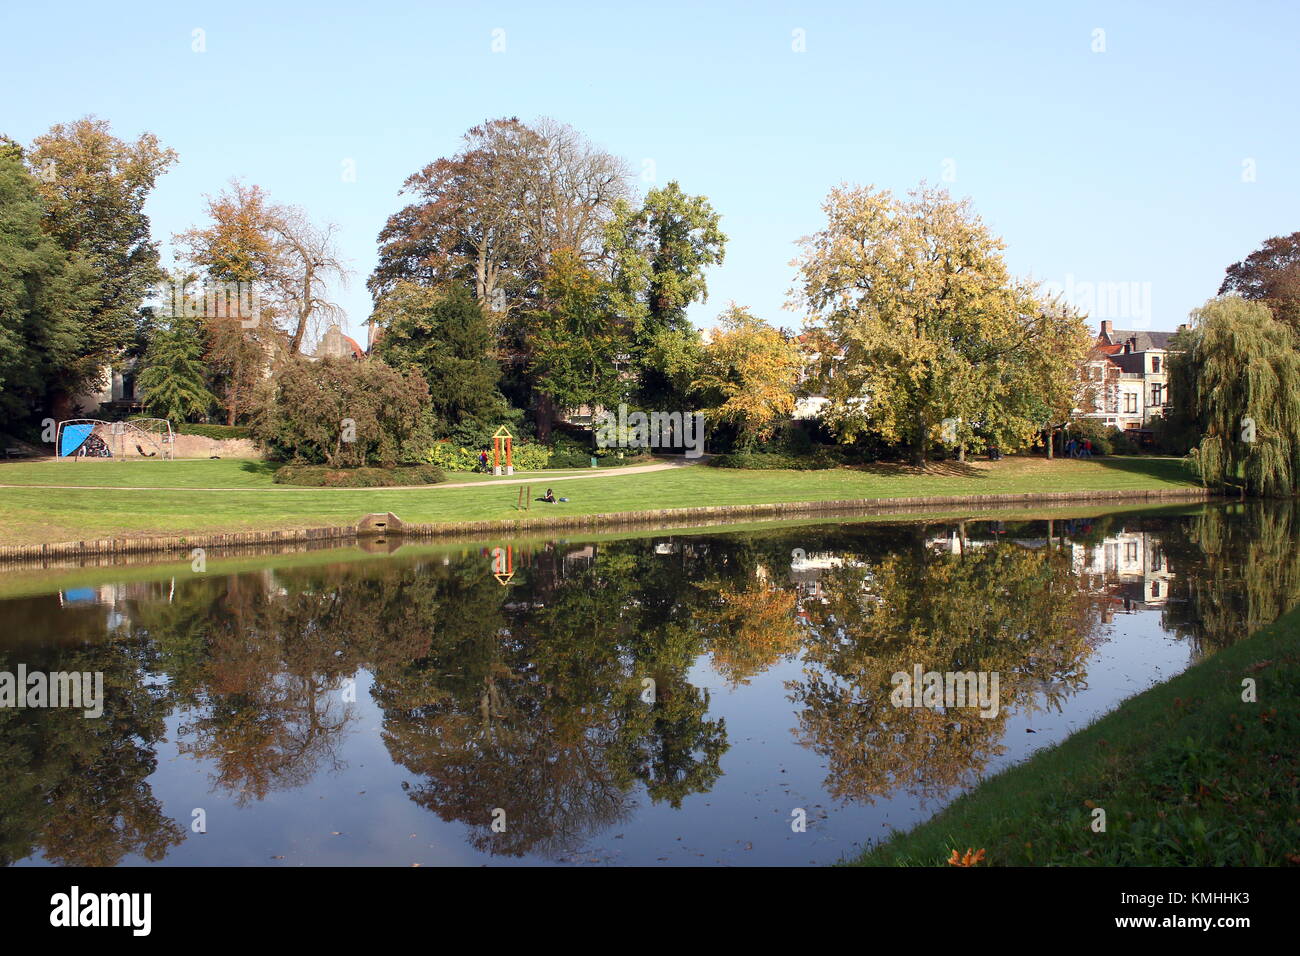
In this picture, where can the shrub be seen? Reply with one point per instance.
(760, 461)
(532, 456)
(343, 413)
(322, 476)
(452, 457)
(218, 432)
(1099, 435)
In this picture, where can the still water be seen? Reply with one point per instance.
(669, 699)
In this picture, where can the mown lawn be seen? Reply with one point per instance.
(248, 500)
(1187, 773)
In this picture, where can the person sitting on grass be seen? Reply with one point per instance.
(549, 496)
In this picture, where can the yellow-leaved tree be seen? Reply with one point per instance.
(748, 375)
(932, 338)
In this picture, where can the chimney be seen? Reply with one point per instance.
(1106, 328)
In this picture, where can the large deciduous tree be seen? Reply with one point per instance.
(1239, 379)
(291, 261)
(577, 343)
(1270, 274)
(933, 338)
(45, 294)
(492, 216)
(94, 187)
(659, 253)
(748, 375)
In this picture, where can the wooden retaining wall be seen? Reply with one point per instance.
(40, 553)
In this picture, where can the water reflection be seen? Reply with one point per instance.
(581, 694)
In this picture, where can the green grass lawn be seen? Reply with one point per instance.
(248, 500)
(1188, 774)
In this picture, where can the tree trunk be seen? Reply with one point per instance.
(544, 415)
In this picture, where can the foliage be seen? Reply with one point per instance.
(322, 476)
(446, 336)
(289, 260)
(660, 252)
(928, 332)
(531, 456)
(490, 217)
(748, 375)
(171, 375)
(1089, 429)
(577, 342)
(775, 461)
(1270, 274)
(1239, 380)
(94, 187)
(453, 457)
(343, 413)
(44, 295)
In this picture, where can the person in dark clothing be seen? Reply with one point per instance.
(550, 496)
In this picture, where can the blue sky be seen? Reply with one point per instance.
(1131, 165)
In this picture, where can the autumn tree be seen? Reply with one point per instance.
(291, 262)
(1270, 274)
(748, 375)
(94, 187)
(492, 216)
(933, 338)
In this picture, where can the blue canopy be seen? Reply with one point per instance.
(74, 436)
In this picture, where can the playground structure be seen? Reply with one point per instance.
(139, 438)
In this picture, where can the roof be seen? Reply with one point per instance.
(1141, 341)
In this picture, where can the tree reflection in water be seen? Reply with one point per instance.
(566, 697)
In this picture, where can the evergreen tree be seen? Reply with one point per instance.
(446, 336)
(172, 378)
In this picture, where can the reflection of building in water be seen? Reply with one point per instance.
(806, 571)
(1130, 566)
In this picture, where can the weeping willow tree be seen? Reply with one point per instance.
(1239, 382)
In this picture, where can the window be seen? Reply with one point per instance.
(1130, 403)
(1155, 364)
(1157, 394)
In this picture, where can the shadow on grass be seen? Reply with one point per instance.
(261, 468)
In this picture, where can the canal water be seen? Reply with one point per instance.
(672, 698)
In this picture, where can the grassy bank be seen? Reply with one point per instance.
(1187, 773)
(209, 496)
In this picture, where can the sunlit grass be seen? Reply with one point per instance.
(248, 499)
(1187, 773)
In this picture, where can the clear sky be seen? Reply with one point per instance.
(1160, 160)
